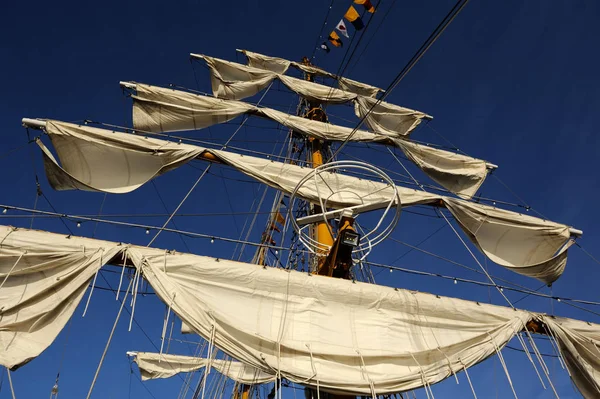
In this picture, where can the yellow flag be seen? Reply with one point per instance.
(353, 17)
(335, 39)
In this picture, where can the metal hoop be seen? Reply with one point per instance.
(368, 240)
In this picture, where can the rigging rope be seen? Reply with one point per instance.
(108, 343)
(320, 36)
(460, 4)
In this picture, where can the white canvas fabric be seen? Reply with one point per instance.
(234, 81)
(42, 280)
(155, 365)
(457, 173)
(386, 118)
(157, 109)
(579, 346)
(316, 92)
(280, 66)
(273, 64)
(96, 159)
(359, 88)
(522, 243)
(276, 320)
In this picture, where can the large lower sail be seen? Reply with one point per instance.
(272, 320)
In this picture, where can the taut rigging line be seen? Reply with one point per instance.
(460, 4)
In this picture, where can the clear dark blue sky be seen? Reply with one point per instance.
(512, 82)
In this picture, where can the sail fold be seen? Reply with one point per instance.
(101, 160)
(234, 81)
(386, 118)
(156, 109)
(579, 346)
(155, 365)
(460, 174)
(525, 244)
(43, 278)
(95, 159)
(273, 320)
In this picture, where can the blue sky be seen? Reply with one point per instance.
(512, 82)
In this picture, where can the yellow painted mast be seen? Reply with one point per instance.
(322, 231)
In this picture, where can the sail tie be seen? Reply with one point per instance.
(503, 363)
(7, 234)
(426, 385)
(93, 281)
(12, 268)
(134, 291)
(449, 363)
(207, 369)
(541, 361)
(314, 369)
(112, 332)
(522, 341)
(122, 272)
(468, 378)
(555, 346)
(164, 330)
(12, 389)
(364, 368)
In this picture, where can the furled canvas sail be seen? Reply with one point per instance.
(522, 243)
(386, 118)
(155, 365)
(579, 345)
(100, 160)
(41, 283)
(95, 160)
(235, 81)
(277, 321)
(273, 64)
(159, 109)
(280, 65)
(457, 173)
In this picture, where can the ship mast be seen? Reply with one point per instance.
(322, 233)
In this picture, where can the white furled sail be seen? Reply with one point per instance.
(280, 65)
(101, 160)
(460, 174)
(157, 109)
(522, 243)
(155, 365)
(43, 281)
(274, 320)
(386, 118)
(235, 81)
(261, 61)
(579, 346)
(97, 160)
